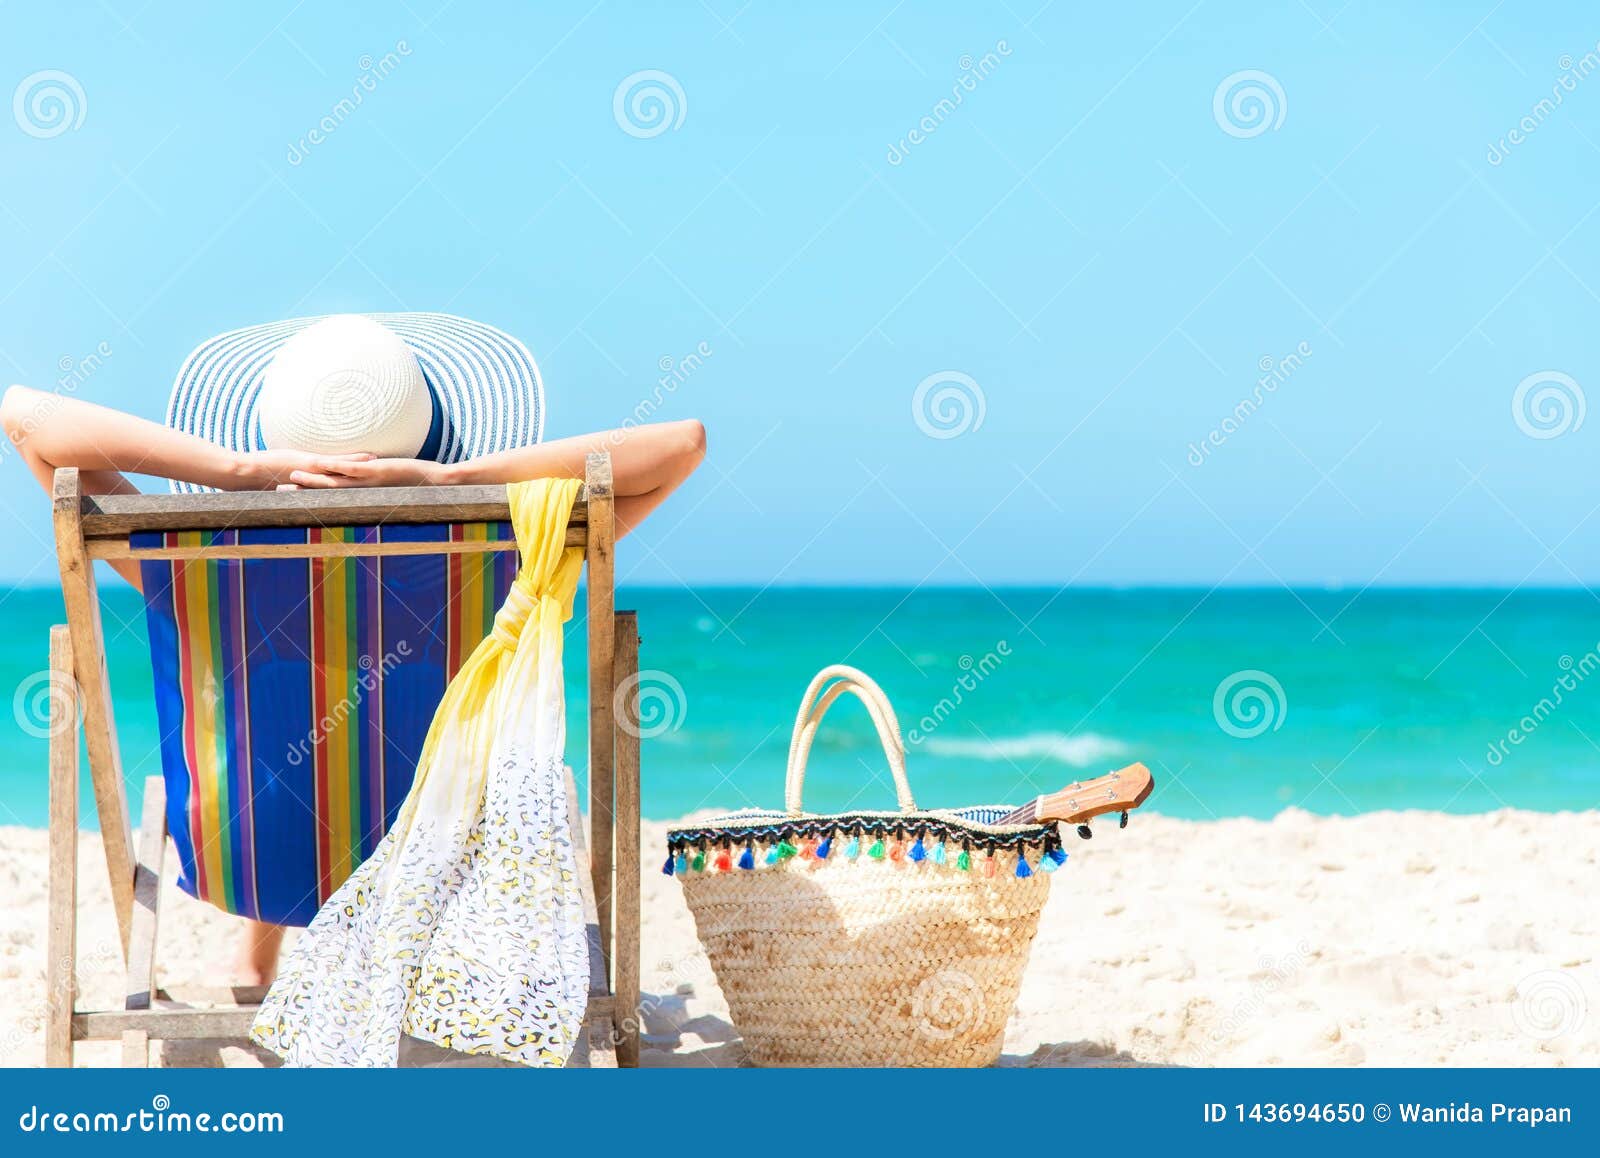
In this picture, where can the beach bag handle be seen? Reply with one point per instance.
(814, 706)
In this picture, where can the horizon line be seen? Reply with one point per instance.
(903, 585)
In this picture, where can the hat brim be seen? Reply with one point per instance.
(487, 393)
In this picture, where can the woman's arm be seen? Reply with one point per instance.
(648, 463)
(50, 430)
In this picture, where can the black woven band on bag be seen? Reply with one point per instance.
(1047, 837)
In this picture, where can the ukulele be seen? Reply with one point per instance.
(1081, 801)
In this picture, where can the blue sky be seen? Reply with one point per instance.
(1093, 249)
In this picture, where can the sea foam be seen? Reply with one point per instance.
(1080, 751)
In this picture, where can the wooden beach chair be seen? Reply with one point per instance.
(309, 538)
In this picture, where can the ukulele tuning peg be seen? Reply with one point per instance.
(1122, 822)
(1085, 831)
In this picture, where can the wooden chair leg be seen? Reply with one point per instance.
(146, 918)
(61, 937)
(82, 599)
(625, 949)
(601, 542)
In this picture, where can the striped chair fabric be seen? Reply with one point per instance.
(293, 697)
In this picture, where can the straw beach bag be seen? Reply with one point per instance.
(866, 938)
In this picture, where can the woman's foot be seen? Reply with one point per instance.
(258, 955)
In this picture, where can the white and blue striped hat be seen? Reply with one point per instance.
(485, 387)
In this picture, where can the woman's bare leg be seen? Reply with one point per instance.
(258, 954)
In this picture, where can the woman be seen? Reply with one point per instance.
(308, 369)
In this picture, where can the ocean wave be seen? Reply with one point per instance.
(1080, 751)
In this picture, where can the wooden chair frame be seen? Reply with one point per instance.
(90, 527)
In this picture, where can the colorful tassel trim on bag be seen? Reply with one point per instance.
(812, 842)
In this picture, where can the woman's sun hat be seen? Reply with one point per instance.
(409, 385)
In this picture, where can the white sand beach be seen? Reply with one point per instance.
(1387, 939)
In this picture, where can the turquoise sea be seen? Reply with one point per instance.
(1332, 701)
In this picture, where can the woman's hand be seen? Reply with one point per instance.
(364, 471)
(262, 470)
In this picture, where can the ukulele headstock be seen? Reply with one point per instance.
(1081, 801)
